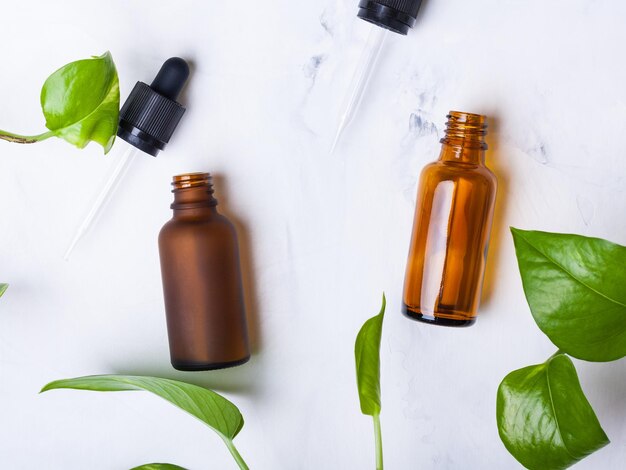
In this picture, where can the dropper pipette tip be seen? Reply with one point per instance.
(70, 248)
(336, 140)
(360, 80)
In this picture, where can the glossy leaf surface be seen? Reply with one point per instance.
(544, 418)
(576, 289)
(158, 466)
(3, 288)
(81, 102)
(212, 409)
(367, 355)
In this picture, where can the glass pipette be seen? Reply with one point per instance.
(118, 172)
(362, 75)
(147, 121)
(386, 15)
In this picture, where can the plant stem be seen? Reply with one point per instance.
(556, 354)
(24, 139)
(379, 442)
(236, 455)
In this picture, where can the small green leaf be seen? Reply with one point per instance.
(3, 288)
(575, 288)
(158, 466)
(544, 418)
(81, 102)
(212, 409)
(367, 355)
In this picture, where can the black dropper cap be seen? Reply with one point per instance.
(150, 114)
(396, 15)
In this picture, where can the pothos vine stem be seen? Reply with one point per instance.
(24, 139)
(236, 455)
(379, 442)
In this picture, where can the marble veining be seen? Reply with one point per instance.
(323, 235)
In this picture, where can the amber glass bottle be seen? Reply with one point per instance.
(206, 320)
(453, 215)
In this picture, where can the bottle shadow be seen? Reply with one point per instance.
(236, 380)
(240, 380)
(246, 260)
(499, 230)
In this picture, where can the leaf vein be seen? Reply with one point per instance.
(556, 418)
(571, 274)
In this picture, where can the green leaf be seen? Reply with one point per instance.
(158, 466)
(3, 289)
(544, 418)
(81, 102)
(212, 409)
(575, 288)
(367, 355)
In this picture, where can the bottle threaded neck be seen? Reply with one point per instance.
(466, 129)
(191, 180)
(193, 190)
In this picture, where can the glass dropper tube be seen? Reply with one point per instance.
(110, 185)
(360, 80)
(397, 16)
(148, 119)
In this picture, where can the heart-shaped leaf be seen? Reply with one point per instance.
(575, 288)
(367, 355)
(212, 409)
(81, 102)
(544, 418)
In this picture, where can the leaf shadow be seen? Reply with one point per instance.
(603, 383)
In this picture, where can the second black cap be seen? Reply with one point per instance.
(396, 15)
(151, 113)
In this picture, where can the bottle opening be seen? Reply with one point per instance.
(466, 129)
(192, 191)
(191, 180)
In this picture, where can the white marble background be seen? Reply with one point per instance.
(322, 236)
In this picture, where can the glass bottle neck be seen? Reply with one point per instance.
(464, 141)
(193, 195)
(461, 154)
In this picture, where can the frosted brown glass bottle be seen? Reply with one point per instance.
(455, 202)
(206, 319)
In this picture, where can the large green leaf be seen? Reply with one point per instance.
(158, 466)
(544, 418)
(81, 102)
(212, 409)
(575, 287)
(3, 288)
(367, 355)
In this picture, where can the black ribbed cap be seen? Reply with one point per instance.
(396, 15)
(151, 113)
